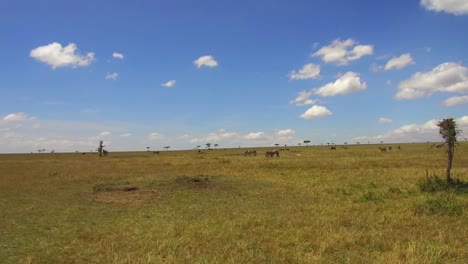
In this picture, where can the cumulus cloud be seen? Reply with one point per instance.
(457, 7)
(456, 100)
(285, 133)
(207, 61)
(117, 55)
(57, 56)
(449, 77)
(169, 84)
(155, 136)
(315, 112)
(255, 136)
(400, 62)
(213, 137)
(428, 131)
(308, 71)
(343, 52)
(303, 99)
(112, 76)
(350, 82)
(385, 120)
(105, 133)
(17, 117)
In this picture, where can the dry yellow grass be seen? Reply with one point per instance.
(311, 205)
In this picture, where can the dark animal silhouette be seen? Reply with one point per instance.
(272, 153)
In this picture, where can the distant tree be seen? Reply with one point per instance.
(299, 143)
(449, 132)
(208, 145)
(328, 143)
(346, 143)
(276, 144)
(167, 147)
(215, 145)
(147, 149)
(43, 150)
(381, 142)
(307, 142)
(100, 148)
(39, 150)
(357, 142)
(198, 146)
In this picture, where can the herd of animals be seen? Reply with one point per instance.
(270, 153)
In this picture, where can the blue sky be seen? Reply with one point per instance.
(234, 73)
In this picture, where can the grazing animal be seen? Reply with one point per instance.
(250, 153)
(383, 149)
(155, 152)
(83, 153)
(390, 148)
(332, 148)
(272, 153)
(438, 145)
(399, 147)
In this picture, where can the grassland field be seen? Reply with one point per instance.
(310, 205)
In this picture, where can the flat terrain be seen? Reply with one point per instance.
(311, 205)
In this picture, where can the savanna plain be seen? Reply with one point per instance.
(310, 205)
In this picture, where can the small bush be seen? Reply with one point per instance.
(434, 184)
(371, 197)
(445, 204)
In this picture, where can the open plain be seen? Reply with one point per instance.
(310, 205)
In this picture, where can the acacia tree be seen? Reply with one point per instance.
(449, 132)
(208, 145)
(307, 142)
(215, 145)
(100, 148)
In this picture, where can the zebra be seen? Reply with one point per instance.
(272, 153)
(250, 152)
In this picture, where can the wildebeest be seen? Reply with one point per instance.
(399, 147)
(250, 152)
(272, 153)
(438, 145)
(155, 152)
(389, 147)
(332, 148)
(383, 149)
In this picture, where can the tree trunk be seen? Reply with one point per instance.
(449, 161)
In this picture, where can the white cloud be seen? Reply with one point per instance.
(343, 52)
(214, 137)
(155, 136)
(350, 82)
(207, 61)
(17, 117)
(456, 100)
(449, 77)
(169, 83)
(117, 55)
(308, 71)
(105, 133)
(112, 76)
(255, 136)
(457, 7)
(428, 131)
(462, 122)
(385, 120)
(400, 62)
(57, 56)
(285, 133)
(303, 99)
(315, 112)
(126, 135)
